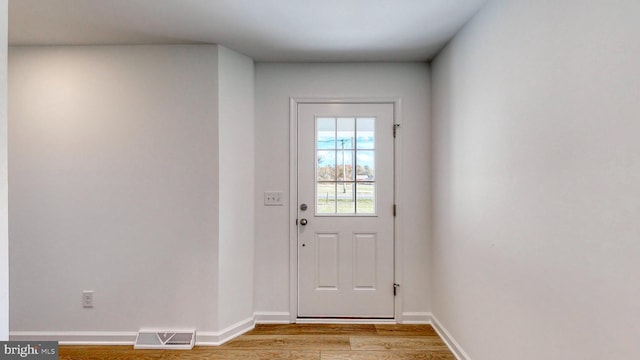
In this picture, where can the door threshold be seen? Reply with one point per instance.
(344, 321)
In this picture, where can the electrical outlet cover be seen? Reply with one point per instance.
(87, 298)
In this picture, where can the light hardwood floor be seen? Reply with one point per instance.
(296, 342)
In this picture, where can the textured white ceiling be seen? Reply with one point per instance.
(266, 30)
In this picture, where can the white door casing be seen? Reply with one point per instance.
(345, 176)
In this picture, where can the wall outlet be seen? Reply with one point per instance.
(87, 298)
(273, 198)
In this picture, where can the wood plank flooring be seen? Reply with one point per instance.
(295, 342)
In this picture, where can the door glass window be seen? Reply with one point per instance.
(345, 170)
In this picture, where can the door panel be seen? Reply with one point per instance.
(345, 177)
(326, 261)
(365, 261)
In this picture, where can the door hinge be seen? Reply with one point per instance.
(395, 289)
(395, 129)
(395, 210)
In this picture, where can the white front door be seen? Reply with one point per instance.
(345, 210)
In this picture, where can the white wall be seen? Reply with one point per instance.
(4, 202)
(275, 84)
(113, 187)
(536, 181)
(236, 171)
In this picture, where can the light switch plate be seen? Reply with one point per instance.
(273, 198)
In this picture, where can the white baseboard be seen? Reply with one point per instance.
(77, 337)
(416, 318)
(453, 345)
(203, 338)
(269, 317)
(218, 338)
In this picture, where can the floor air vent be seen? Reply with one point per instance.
(165, 339)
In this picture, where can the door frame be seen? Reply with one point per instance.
(293, 197)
